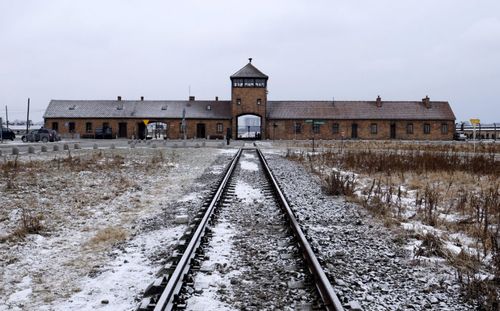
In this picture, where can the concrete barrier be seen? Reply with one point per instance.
(31, 149)
(15, 150)
(66, 147)
(55, 148)
(95, 146)
(77, 146)
(44, 148)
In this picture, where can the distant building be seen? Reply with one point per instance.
(378, 119)
(483, 131)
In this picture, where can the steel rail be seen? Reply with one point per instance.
(323, 285)
(166, 300)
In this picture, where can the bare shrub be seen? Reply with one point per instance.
(30, 223)
(432, 246)
(338, 184)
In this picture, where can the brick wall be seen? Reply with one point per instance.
(133, 125)
(284, 129)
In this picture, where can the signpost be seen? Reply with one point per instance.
(474, 122)
(314, 122)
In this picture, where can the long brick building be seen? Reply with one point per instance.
(250, 115)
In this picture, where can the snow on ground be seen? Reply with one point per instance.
(207, 284)
(365, 261)
(107, 221)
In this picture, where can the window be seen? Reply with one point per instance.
(249, 83)
(220, 128)
(427, 128)
(444, 128)
(260, 82)
(181, 128)
(373, 128)
(335, 128)
(316, 128)
(71, 127)
(209, 107)
(238, 83)
(297, 128)
(409, 128)
(259, 101)
(88, 127)
(55, 126)
(238, 101)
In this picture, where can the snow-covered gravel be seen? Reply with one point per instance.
(364, 260)
(254, 263)
(108, 224)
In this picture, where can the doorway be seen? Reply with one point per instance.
(122, 130)
(200, 130)
(249, 127)
(393, 130)
(354, 131)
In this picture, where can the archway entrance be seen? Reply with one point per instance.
(153, 130)
(249, 126)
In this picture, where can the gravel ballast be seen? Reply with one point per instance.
(365, 261)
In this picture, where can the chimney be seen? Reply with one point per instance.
(216, 98)
(379, 101)
(119, 98)
(250, 60)
(142, 98)
(191, 98)
(427, 102)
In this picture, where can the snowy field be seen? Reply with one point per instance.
(88, 231)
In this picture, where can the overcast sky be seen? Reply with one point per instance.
(349, 50)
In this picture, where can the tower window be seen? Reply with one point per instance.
(238, 83)
(316, 128)
(259, 101)
(238, 101)
(220, 128)
(88, 127)
(373, 128)
(249, 82)
(71, 127)
(260, 82)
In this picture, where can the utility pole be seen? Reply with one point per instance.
(6, 116)
(28, 118)
(1, 130)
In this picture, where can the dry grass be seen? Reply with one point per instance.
(107, 236)
(445, 180)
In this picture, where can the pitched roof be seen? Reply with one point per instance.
(360, 110)
(249, 71)
(138, 109)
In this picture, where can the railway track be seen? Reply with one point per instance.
(275, 267)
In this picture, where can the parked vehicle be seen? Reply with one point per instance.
(42, 134)
(460, 136)
(55, 135)
(8, 134)
(103, 132)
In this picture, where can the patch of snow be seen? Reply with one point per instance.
(247, 192)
